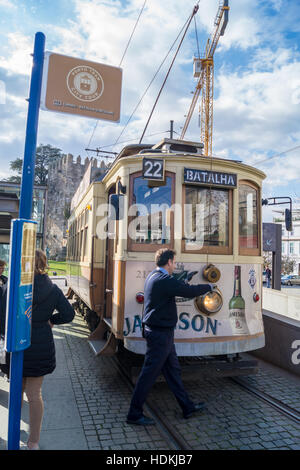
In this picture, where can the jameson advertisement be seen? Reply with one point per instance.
(239, 314)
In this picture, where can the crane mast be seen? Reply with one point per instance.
(205, 82)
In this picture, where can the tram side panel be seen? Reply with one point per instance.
(197, 333)
(85, 264)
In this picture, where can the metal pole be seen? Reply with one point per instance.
(16, 358)
(276, 260)
(171, 129)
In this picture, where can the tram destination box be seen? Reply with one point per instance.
(213, 178)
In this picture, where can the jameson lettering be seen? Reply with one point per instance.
(210, 177)
(186, 321)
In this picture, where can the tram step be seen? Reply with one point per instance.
(97, 345)
(108, 321)
(104, 347)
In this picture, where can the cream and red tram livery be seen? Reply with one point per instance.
(170, 195)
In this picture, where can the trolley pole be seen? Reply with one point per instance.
(16, 356)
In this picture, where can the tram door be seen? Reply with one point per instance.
(109, 267)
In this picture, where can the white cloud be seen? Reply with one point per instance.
(277, 4)
(7, 4)
(17, 58)
(256, 110)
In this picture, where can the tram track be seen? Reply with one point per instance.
(274, 402)
(174, 439)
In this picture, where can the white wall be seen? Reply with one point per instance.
(282, 303)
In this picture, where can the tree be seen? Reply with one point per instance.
(287, 264)
(45, 154)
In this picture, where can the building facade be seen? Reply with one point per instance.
(39, 209)
(291, 240)
(64, 177)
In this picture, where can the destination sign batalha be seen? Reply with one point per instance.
(210, 177)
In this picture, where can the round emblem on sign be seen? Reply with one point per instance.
(85, 83)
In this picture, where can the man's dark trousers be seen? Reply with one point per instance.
(160, 357)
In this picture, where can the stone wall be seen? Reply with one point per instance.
(64, 177)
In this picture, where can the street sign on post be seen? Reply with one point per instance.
(272, 242)
(82, 87)
(73, 86)
(18, 328)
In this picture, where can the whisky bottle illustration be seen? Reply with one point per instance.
(237, 307)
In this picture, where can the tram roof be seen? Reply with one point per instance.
(173, 147)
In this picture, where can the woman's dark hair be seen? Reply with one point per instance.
(40, 263)
(163, 255)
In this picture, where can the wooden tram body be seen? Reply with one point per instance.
(107, 274)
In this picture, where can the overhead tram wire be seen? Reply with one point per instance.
(126, 48)
(155, 75)
(277, 155)
(195, 9)
(134, 140)
(133, 32)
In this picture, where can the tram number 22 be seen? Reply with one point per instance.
(153, 169)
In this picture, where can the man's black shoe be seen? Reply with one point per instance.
(142, 421)
(197, 407)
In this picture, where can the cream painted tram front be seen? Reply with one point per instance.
(208, 210)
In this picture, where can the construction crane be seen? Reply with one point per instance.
(204, 69)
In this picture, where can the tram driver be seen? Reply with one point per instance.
(159, 320)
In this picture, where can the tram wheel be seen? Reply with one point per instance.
(91, 319)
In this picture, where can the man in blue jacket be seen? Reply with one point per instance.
(159, 321)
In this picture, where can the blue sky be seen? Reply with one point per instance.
(257, 77)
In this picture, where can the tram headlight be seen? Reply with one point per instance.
(211, 273)
(209, 303)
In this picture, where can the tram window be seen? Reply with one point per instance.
(87, 213)
(81, 246)
(85, 245)
(75, 247)
(248, 219)
(207, 224)
(150, 219)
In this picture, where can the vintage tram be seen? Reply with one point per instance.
(170, 195)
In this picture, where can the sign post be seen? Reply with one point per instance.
(272, 241)
(18, 315)
(60, 84)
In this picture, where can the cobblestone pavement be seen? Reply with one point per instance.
(278, 386)
(103, 397)
(233, 419)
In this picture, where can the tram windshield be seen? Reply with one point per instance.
(206, 220)
(151, 210)
(248, 217)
